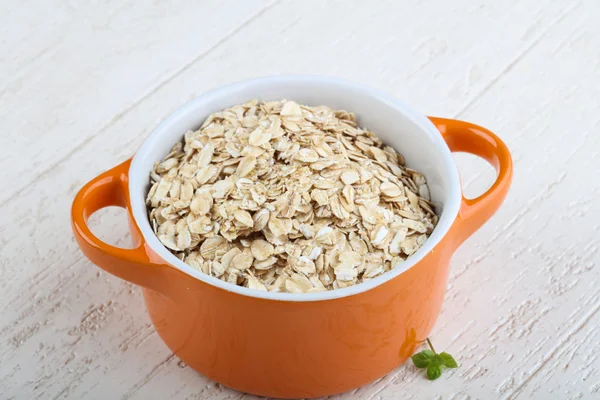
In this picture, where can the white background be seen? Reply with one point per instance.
(81, 87)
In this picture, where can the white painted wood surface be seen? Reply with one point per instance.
(83, 85)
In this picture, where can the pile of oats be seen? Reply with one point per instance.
(282, 197)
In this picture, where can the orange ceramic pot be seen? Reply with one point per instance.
(298, 345)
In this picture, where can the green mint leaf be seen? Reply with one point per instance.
(437, 360)
(422, 359)
(433, 362)
(434, 371)
(428, 353)
(449, 361)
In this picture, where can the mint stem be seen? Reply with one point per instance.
(430, 345)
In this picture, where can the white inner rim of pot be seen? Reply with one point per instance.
(407, 131)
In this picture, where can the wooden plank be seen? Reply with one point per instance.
(384, 46)
(522, 301)
(69, 70)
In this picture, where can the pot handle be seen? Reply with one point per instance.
(469, 138)
(133, 265)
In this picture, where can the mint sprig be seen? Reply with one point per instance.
(434, 362)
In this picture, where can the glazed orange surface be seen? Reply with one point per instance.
(291, 349)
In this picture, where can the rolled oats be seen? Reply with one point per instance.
(282, 197)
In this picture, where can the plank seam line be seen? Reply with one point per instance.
(519, 57)
(142, 98)
(149, 376)
(578, 327)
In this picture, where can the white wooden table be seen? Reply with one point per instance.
(82, 86)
